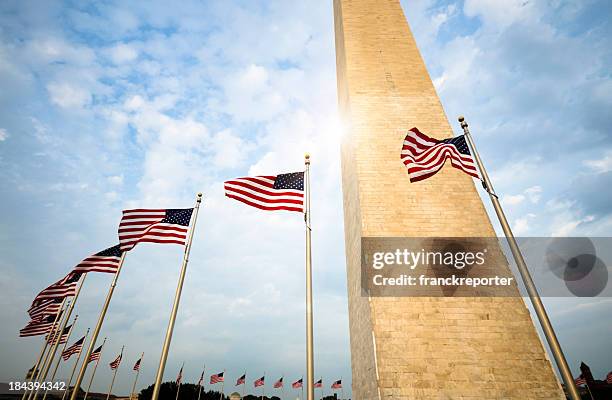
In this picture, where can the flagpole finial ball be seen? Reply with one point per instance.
(461, 119)
(307, 158)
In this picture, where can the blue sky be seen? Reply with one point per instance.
(115, 105)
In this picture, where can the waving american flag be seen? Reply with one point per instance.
(154, 226)
(270, 193)
(424, 156)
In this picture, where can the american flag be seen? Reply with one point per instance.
(297, 384)
(260, 382)
(241, 380)
(39, 327)
(30, 373)
(105, 261)
(319, 383)
(424, 156)
(41, 308)
(74, 349)
(337, 384)
(278, 383)
(95, 355)
(52, 336)
(154, 226)
(279, 192)
(137, 365)
(179, 378)
(115, 364)
(216, 378)
(580, 381)
(609, 378)
(65, 287)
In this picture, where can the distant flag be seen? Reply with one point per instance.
(95, 355)
(241, 380)
(278, 383)
(609, 378)
(30, 373)
(115, 364)
(137, 365)
(65, 287)
(297, 384)
(104, 261)
(52, 336)
(260, 381)
(201, 380)
(74, 349)
(154, 226)
(41, 308)
(179, 378)
(337, 384)
(216, 378)
(319, 383)
(35, 328)
(424, 156)
(276, 192)
(580, 380)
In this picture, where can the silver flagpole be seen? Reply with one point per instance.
(137, 373)
(201, 382)
(96, 332)
(110, 389)
(538, 306)
(59, 359)
(37, 372)
(56, 332)
(223, 386)
(93, 373)
(43, 353)
(244, 384)
(309, 323)
(178, 389)
(177, 298)
(63, 325)
(76, 363)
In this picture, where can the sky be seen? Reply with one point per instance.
(125, 104)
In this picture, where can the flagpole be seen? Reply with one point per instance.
(177, 298)
(283, 387)
(223, 386)
(36, 373)
(202, 381)
(75, 366)
(93, 373)
(244, 384)
(178, 389)
(309, 323)
(110, 389)
(96, 332)
(137, 373)
(263, 387)
(589, 389)
(59, 359)
(61, 324)
(538, 306)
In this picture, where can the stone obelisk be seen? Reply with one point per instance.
(417, 347)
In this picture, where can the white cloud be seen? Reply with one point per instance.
(116, 180)
(601, 165)
(521, 225)
(534, 194)
(68, 95)
(513, 199)
(3, 134)
(499, 14)
(122, 53)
